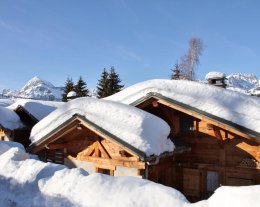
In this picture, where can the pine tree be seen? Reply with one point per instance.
(176, 72)
(69, 86)
(81, 88)
(114, 85)
(102, 86)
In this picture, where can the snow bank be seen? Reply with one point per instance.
(25, 182)
(138, 128)
(227, 196)
(9, 119)
(39, 109)
(34, 183)
(232, 106)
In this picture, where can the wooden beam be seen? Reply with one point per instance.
(100, 160)
(106, 137)
(103, 150)
(218, 136)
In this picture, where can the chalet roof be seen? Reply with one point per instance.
(9, 119)
(36, 109)
(215, 75)
(234, 109)
(139, 131)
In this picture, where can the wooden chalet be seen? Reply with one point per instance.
(79, 142)
(30, 113)
(10, 125)
(222, 153)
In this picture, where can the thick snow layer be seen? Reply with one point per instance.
(25, 182)
(138, 128)
(6, 102)
(39, 109)
(232, 106)
(9, 119)
(215, 75)
(71, 94)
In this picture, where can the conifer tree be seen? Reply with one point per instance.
(69, 86)
(114, 85)
(176, 72)
(102, 86)
(81, 88)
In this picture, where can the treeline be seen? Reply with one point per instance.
(108, 84)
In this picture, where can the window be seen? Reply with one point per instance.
(187, 124)
(105, 171)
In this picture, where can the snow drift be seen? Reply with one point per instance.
(26, 182)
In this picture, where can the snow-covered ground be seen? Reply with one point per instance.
(27, 182)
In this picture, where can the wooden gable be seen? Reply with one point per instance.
(81, 145)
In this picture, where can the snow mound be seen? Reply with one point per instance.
(138, 128)
(38, 109)
(27, 182)
(9, 119)
(227, 196)
(114, 191)
(229, 105)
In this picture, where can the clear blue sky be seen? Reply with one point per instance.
(143, 39)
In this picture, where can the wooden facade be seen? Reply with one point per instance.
(213, 151)
(220, 154)
(80, 144)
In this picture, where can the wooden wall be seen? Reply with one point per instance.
(217, 157)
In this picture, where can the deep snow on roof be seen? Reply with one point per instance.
(229, 105)
(9, 119)
(38, 109)
(215, 75)
(136, 127)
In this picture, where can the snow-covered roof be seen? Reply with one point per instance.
(71, 94)
(38, 109)
(9, 119)
(228, 105)
(6, 102)
(215, 75)
(136, 127)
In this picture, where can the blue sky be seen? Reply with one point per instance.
(142, 39)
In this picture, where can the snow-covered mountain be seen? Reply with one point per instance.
(244, 83)
(37, 88)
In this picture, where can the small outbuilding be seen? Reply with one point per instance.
(216, 79)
